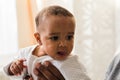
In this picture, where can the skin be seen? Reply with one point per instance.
(16, 67)
(56, 36)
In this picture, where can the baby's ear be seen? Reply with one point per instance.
(37, 37)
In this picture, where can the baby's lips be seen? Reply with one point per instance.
(61, 52)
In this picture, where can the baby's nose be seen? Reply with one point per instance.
(62, 43)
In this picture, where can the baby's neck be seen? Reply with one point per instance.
(38, 51)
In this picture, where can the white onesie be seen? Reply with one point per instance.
(70, 68)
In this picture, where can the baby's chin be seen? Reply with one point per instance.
(60, 57)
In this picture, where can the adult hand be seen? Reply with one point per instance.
(47, 71)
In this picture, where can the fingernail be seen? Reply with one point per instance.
(46, 63)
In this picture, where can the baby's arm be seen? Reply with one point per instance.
(16, 67)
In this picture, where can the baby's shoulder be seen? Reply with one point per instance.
(27, 50)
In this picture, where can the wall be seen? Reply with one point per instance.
(25, 24)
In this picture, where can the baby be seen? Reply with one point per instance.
(55, 28)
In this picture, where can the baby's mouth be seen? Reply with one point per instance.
(61, 53)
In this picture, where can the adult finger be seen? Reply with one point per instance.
(41, 78)
(43, 69)
(53, 70)
(39, 75)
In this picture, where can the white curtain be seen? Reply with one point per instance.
(117, 19)
(95, 39)
(8, 27)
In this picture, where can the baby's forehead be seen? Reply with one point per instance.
(56, 21)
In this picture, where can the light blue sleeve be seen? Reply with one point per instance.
(113, 71)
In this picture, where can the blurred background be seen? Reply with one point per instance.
(97, 31)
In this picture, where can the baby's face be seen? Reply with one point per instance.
(57, 37)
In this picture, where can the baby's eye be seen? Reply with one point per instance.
(69, 37)
(54, 38)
